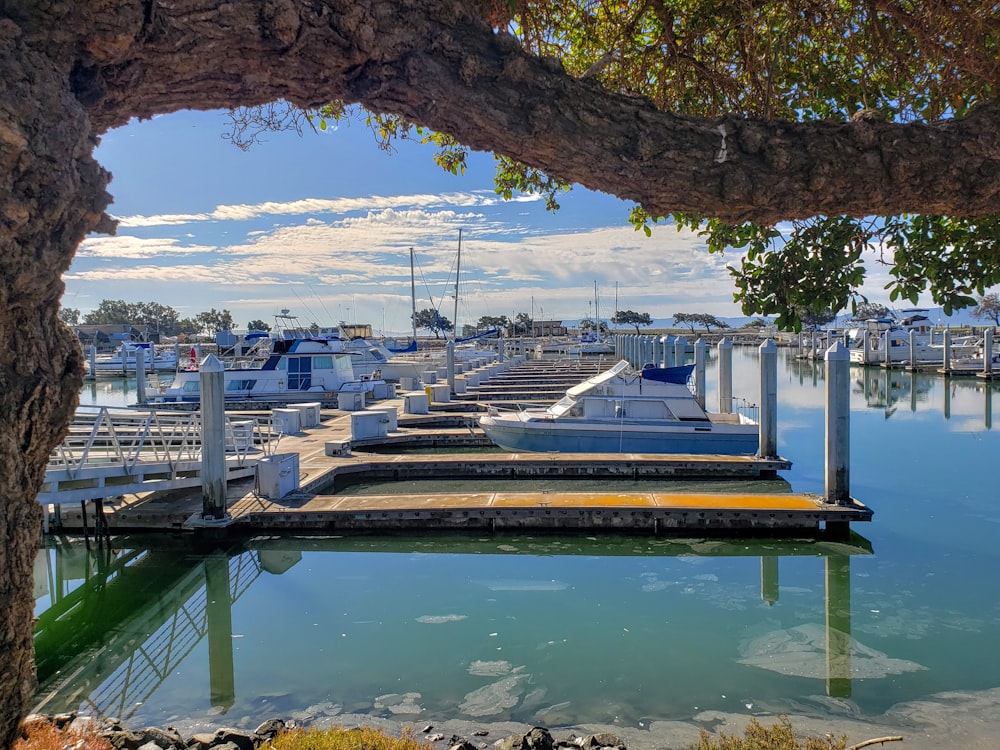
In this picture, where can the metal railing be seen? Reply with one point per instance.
(109, 436)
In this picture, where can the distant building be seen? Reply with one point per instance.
(107, 337)
(548, 328)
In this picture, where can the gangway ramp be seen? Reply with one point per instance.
(113, 451)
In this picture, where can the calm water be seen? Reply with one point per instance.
(570, 630)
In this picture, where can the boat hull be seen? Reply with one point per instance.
(557, 436)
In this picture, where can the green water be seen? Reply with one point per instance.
(579, 629)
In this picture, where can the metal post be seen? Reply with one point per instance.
(500, 347)
(93, 361)
(213, 438)
(680, 351)
(725, 376)
(449, 354)
(886, 356)
(865, 344)
(913, 349)
(946, 345)
(768, 399)
(700, 348)
(838, 425)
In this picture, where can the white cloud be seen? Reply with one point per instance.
(125, 246)
(244, 212)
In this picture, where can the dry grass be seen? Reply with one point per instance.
(780, 736)
(39, 734)
(338, 738)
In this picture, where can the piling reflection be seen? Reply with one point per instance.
(890, 389)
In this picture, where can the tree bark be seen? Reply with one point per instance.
(71, 69)
(51, 194)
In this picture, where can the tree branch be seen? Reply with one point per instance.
(436, 63)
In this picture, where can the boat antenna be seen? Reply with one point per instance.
(458, 272)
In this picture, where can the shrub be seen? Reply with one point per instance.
(338, 738)
(42, 734)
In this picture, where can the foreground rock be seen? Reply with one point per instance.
(153, 738)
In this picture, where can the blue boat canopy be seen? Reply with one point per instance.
(677, 375)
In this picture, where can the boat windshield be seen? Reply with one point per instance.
(562, 406)
(604, 377)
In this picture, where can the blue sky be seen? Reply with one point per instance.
(322, 224)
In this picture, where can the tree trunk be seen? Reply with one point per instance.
(51, 194)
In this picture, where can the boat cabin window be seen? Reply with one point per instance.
(322, 363)
(191, 386)
(646, 409)
(240, 385)
(299, 373)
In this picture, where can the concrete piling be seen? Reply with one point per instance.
(213, 438)
(140, 379)
(725, 348)
(768, 399)
(700, 355)
(838, 425)
(680, 351)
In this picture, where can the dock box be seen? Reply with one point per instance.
(286, 421)
(368, 424)
(309, 415)
(350, 401)
(278, 475)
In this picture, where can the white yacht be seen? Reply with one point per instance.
(625, 411)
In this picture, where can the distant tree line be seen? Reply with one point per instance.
(155, 318)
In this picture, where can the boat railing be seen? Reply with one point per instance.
(111, 436)
(746, 410)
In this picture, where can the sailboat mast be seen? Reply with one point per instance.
(458, 273)
(413, 298)
(597, 314)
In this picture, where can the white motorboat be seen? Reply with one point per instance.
(296, 370)
(883, 340)
(625, 411)
(123, 361)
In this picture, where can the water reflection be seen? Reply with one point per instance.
(112, 623)
(890, 390)
(117, 627)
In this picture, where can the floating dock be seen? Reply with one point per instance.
(671, 494)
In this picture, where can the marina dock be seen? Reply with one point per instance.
(323, 463)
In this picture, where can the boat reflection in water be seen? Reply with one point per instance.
(154, 630)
